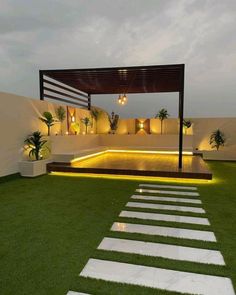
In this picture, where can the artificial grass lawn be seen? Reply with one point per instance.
(52, 225)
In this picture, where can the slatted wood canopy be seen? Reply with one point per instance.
(75, 86)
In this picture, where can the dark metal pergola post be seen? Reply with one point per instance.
(89, 102)
(41, 89)
(181, 119)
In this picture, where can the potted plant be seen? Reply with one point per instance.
(187, 124)
(49, 120)
(61, 115)
(217, 139)
(36, 148)
(113, 120)
(86, 122)
(95, 113)
(75, 127)
(162, 115)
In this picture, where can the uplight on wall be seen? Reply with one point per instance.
(73, 119)
(141, 126)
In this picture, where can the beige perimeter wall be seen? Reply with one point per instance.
(19, 117)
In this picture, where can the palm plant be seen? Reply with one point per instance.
(86, 122)
(162, 115)
(187, 124)
(95, 115)
(35, 145)
(61, 115)
(49, 120)
(217, 139)
(113, 120)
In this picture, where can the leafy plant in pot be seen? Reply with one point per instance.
(187, 124)
(217, 139)
(35, 145)
(113, 120)
(95, 113)
(162, 115)
(86, 121)
(61, 115)
(49, 120)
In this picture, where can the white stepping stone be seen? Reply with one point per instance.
(163, 250)
(165, 217)
(171, 280)
(191, 188)
(183, 233)
(76, 293)
(154, 191)
(165, 207)
(166, 199)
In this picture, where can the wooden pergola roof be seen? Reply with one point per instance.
(139, 79)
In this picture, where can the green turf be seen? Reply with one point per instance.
(51, 226)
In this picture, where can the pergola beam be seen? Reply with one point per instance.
(68, 98)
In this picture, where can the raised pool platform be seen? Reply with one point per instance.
(136, 163)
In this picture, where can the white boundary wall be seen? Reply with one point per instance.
(19, 117)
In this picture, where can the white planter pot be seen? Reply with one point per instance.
(33, 168)
(219, 155)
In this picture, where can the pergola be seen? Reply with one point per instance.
(76, 86)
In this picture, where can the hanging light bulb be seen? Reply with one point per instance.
(120, 99)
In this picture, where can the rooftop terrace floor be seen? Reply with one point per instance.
(123, 163)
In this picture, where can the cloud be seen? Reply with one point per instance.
(79, 33)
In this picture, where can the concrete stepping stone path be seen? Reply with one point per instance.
(162, 250)
(76, 293)
(165, 217)
(165, 279)
(165, 231)
(152, 191)
(165, 207)
(166, 199)
(154, 277)
(191, 188)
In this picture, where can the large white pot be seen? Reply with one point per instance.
(33, 168)
(220, 155)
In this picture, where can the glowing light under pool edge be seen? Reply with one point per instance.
(137, 178)
(129, 151)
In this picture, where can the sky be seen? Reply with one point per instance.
(104, 33)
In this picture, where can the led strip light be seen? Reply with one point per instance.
(128, 151)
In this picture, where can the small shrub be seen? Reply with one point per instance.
(113, 120)
(217, 139)
(35, 145)
(162, 115)
(49, 120)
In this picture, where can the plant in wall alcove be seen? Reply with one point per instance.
(217, 139)
(95, 113)
(49, 120)
(35, 145)
(187, 124)
(75, 126)
(86, 121)
(162, 115)
(113, 120)
(61, 115)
